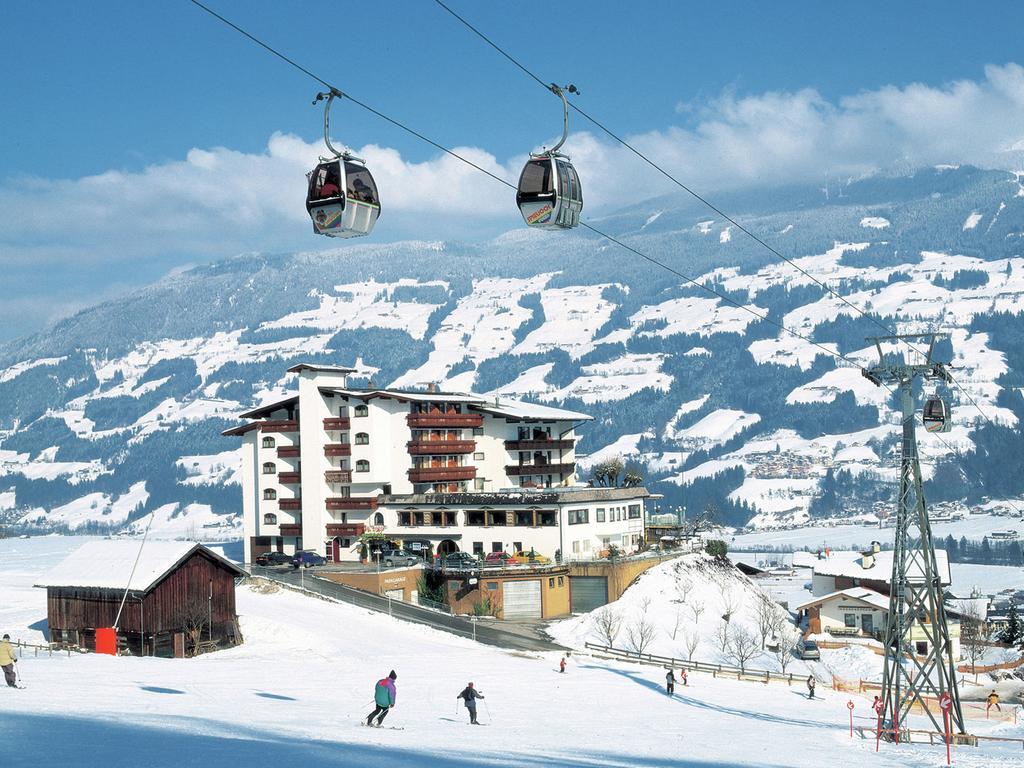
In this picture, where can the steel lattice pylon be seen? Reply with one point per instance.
(916, 609)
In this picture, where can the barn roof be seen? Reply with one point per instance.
(107, 564)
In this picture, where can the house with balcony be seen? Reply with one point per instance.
(436, 471)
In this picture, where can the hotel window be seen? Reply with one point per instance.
(478, 457)
(492, 585)
(478, 548)
(362, 466)
(634, 511)
(478, 483)
(270, 519)
(362, 438)
(477, 431)
(600, 515)
(576, 546)
(268, 442)
(378, 519)
(577, 516)
(361, 410)
(269, 468)
(551, 583)
(269, 494)
(586, 545)
(850, 620)
(561, 581)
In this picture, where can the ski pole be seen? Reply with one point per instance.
(488, 710)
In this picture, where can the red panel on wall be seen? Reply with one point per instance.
(106, 640)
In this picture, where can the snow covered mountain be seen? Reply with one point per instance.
(117, 411)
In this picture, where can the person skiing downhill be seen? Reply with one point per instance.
(561, 665)
(384, 697)
(810, 686)
(992, 700)
(682, 676)
(470, 695)
(7, 659)
(670, 682)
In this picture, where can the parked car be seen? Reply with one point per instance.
(307, 559)
(273, 558)
(461, 560)
(393, 557)
(808, 649)
(497, 558)
(530, 558)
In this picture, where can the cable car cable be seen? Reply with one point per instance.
(593, 229)
(702, 199)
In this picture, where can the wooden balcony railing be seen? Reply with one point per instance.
(349, 530)
(539, 445)
(291, 529)
(338, 424)
(338, 475)
(279, 426)
(338, 449)
(288, 452)
(289, 478)
(291, 504)
(340, 502)
(441, 474)
(445, 419)
(514, 470)
(440, 447)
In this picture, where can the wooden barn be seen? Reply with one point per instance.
(181, 599)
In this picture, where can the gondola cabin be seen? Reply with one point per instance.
(342, 199)
(549, 195)
(936, 416)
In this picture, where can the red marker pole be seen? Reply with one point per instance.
(878, 728)
(849, 706)
(945, 702)
(945, 719)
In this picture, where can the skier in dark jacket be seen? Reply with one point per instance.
(810, 686)
(471, 694)
(670, 682)
(384, 694)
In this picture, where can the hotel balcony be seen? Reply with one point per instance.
(539, 445)
(289, 478)
(342, 503)
(440, 447)
(338, 424)
(348, 530)
(288, 452)
(338, 449)
(441, 474)
(289, 504)
(445, 420)
(291, 529)
(338, 475)
(279, 426)
(514, 470)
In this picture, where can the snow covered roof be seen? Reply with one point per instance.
(107, 564)
(852, 564)
(862, 594)
(321, 368)
(518, 409)
(263, 410)
(803, 559)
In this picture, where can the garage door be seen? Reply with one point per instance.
(588, 592)
(521, 599)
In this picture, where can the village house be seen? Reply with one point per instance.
(335, 468)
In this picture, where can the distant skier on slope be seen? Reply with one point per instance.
(7, 660)
(470, 695)
(810, 686)
(682, 676)
(670, 682)
(561, 665)
(384, 697)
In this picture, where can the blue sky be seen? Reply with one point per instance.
(145, 116)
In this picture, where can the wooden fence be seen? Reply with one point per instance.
(973, 710)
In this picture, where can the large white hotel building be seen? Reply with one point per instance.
(432, 471)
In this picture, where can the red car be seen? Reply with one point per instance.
(498, 558)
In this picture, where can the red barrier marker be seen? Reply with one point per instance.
(945, 702)
(106, 640)
(849, 706)
(879, 707)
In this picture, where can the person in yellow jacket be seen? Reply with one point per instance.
(992, 701)
(7, 659)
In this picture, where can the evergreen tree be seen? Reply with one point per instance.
(1011, 634)
(964, 548)
(952, 551)
(986, 551)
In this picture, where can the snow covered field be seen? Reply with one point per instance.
(295, 692)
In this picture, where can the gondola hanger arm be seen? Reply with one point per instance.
(560, 91)
(330, 96)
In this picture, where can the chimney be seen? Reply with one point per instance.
(876, 547)
(431, 387)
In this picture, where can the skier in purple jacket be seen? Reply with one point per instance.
(384, 697)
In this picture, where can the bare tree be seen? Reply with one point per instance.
(723, 637)
(641, 633)
(731, 602)
(645, 605)
(788, 639)
(675, 627)
(743, 646)
(691, 640)
(765, 616)
(974, 635)
(697, 608)
(683, 588)
(195, 619)
(608, 622)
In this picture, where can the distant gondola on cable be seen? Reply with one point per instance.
(549, 194)
(936, 416)
(342, 197)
